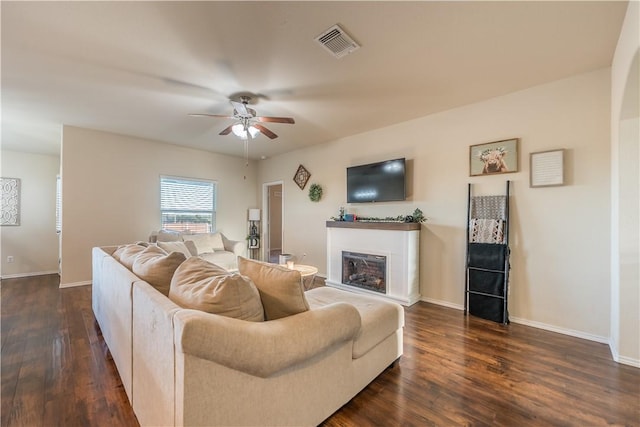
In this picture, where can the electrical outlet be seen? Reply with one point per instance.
(9, 259)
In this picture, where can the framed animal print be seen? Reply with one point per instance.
(494, 157)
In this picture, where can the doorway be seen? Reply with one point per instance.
(273, 207)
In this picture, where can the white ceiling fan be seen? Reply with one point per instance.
(247, 123)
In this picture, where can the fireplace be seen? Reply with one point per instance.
(397, 243)
(365, 271)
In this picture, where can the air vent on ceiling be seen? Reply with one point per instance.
(337, 41)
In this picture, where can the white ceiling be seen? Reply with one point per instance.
(139, 68)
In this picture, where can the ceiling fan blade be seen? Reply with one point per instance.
(177, 82)
(222, 116)
(266, 132)
(276, 120)
(240, 108)
(226, 131)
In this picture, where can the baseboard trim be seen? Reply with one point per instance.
(36, 273)
(532, 323)
(443, 303)
(74, 284)
(627, 361)
(622, 359)
(557, 329)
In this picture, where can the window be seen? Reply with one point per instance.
(187, 204)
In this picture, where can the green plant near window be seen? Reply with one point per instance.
(315, 192)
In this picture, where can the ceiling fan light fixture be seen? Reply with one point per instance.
(239, 131)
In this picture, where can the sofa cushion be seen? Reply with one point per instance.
(206, 242)
(280, 288)
(201, 285)
(380, 318)
(155, 266)
(226, 260)
(127, 254)
(169, 236)
(187, 248)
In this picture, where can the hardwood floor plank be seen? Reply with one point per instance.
(455, 371)
(29, 328)
(55, 338)
(467, 371)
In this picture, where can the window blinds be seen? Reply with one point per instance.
(187, 204)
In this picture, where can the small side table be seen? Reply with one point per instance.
(308, 273)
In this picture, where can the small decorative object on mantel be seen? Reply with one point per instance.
(494, 157)
(10, 201)
(416, 216)
(315, 192)
(301, 177)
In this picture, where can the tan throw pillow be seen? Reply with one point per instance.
(280, 288)
(206, 242)
(183, 247)
(201, 285)
(127, 254)
(156, 267)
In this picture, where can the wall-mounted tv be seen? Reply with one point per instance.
(376, 182)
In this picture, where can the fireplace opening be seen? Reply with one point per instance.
(365, 271)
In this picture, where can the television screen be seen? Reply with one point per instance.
(376, 182)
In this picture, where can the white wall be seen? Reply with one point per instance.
(111, 192)
(560, 235)
(625, 191)
(34, 243)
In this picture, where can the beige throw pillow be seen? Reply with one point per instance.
(201, 285)
(280, 288)
(169, 236)
(156, 267)
(187, 248)
(127, 254)
(191, 247)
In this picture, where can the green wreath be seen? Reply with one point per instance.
(315, 192)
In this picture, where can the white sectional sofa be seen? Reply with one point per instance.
(181, 366)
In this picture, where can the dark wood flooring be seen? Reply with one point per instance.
(456, 371)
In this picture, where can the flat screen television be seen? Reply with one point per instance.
(376, 182)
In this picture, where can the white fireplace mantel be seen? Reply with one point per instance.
(398, 242)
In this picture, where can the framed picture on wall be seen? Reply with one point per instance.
(494, 157)
(10, 189)
(301, 177)
(546, 168)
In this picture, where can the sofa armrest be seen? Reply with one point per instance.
(264, 348)
(236, 246)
